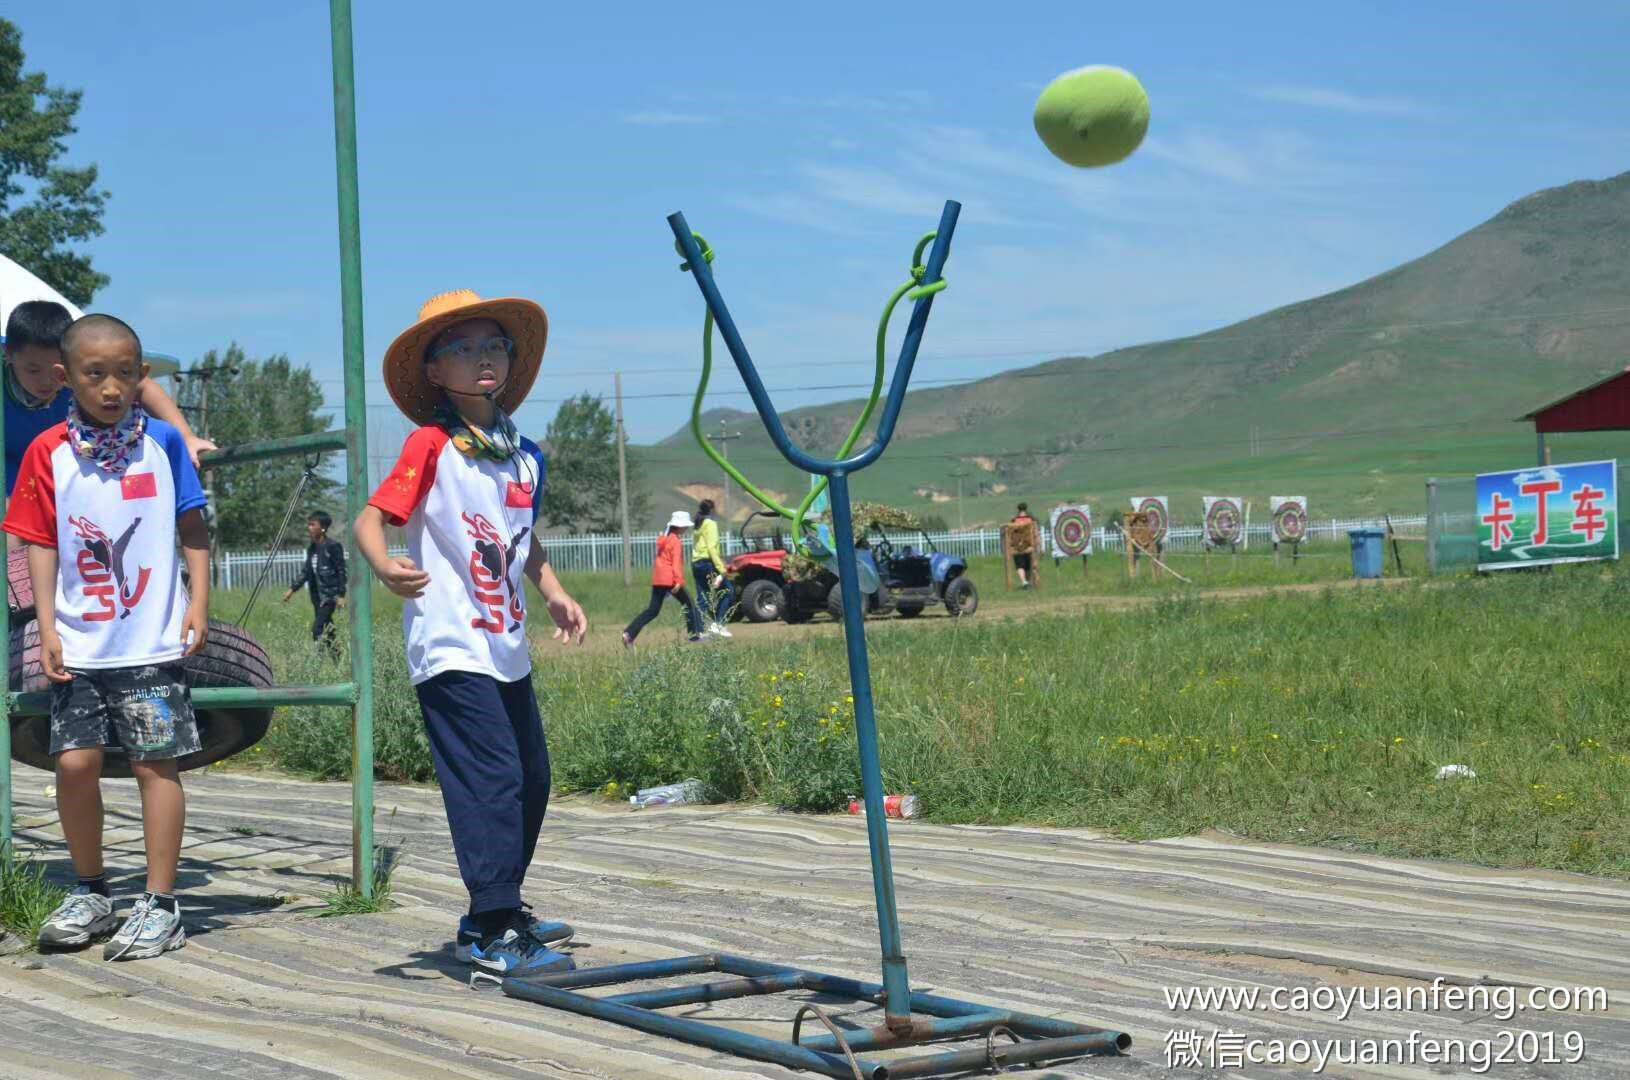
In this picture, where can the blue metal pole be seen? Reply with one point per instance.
(897, 1006)
(897, 987)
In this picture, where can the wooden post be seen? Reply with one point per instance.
(1397, 558)
(1007, 562)
(1035, 554)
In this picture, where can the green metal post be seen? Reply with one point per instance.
(315, 443)
(356, 449)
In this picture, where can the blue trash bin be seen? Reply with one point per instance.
(1368, 557)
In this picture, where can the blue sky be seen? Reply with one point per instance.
(535, 149)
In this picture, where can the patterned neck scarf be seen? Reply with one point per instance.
(500, 442)
(109, 448)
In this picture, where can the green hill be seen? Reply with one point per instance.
(1355, 397)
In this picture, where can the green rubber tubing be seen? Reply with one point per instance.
(914, 289)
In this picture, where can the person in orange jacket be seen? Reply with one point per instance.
(668, 579)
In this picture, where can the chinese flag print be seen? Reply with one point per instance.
(519, 495)
(139, 486)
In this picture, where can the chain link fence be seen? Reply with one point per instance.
(1453, 531)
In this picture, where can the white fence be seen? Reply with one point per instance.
(579, 554)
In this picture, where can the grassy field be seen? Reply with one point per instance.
(1312, 716)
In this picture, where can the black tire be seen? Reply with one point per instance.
(762, 601)
(909, 611)
(795, 612)
(834, 602)
(961, 598)
(19, 587)
(230, 658)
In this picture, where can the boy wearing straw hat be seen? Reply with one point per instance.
(466, 491)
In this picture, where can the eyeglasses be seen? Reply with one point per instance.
(471, 349)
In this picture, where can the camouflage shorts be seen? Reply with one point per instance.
(144, 713)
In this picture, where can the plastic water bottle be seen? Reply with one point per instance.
(687, 791)
(895, 806)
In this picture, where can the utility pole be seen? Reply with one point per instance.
(961, 522)
(622, 484)
(723, 439)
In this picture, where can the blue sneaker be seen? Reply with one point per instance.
(517, 953)
(546, 933)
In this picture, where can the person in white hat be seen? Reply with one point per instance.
(668, 579)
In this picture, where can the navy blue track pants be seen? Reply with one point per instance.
(487, 740)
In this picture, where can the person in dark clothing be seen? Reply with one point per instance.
(324, 571)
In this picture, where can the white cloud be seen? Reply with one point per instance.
(1546, 475)
(1202, 153)
(868, 188)
(662, 118)
(1317, 97)
(796, 209)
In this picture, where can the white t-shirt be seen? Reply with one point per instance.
(468, 523)
(120, 602)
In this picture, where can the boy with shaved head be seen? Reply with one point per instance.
(100, 500)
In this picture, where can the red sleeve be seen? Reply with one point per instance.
(32, 512)
(676, 560)
(662, 565)
(410, 480)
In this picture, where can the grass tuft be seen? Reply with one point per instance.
(26, 897)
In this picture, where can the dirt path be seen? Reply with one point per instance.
(604, 639)
(1061, 922)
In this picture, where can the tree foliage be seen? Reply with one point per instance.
(237, 400)
(581, 491)
(44, 205)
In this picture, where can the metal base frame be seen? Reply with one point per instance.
(1030, 1038)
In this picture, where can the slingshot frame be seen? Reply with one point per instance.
(832, 1054)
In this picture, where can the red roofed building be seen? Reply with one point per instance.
(1601, 406)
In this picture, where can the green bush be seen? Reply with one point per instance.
(777, 733)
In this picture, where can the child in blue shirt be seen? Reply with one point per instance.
(36, 399)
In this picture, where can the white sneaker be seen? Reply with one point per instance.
(148, 931)
(78, 920)
(718, 630)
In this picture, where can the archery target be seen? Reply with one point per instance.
(1155, 507)
(1072, 531)
(1289, 518)
(1225, 524)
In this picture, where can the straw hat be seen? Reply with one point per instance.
(680, 520)
(523, 321)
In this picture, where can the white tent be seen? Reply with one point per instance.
(18, 286)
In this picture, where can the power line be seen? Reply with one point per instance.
(1069, 352)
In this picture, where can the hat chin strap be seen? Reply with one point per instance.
(490, 395)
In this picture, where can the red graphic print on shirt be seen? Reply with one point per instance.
(490, 562)
(101, 564)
